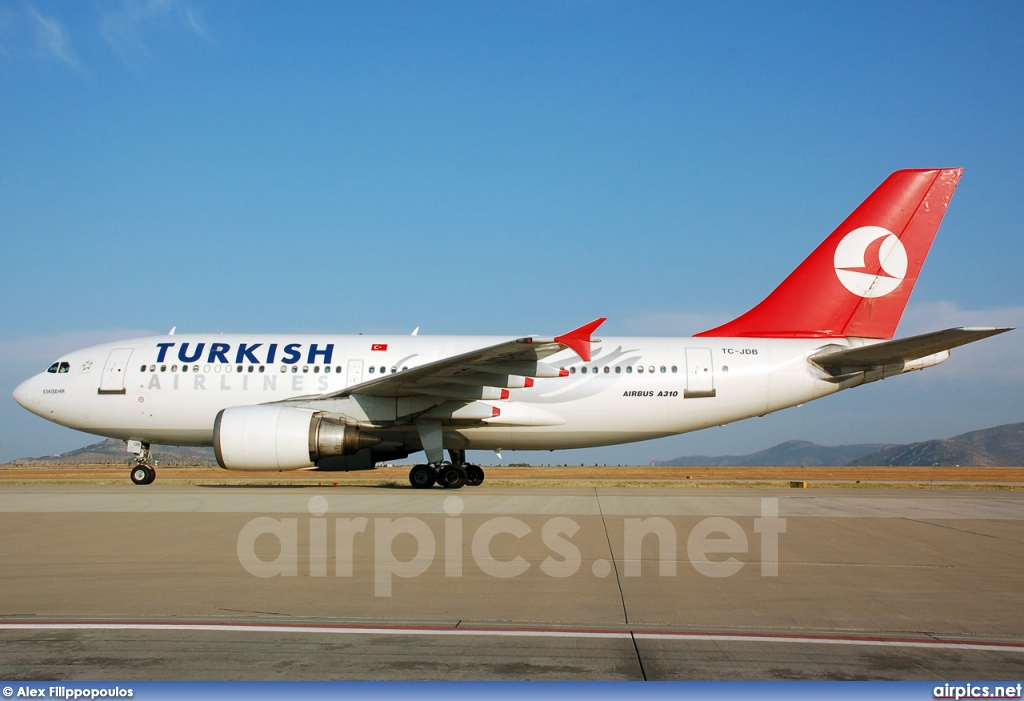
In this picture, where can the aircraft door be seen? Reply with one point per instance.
(700, 373)
(112, 380)
(355, 373)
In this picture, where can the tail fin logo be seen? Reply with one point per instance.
(871, 261)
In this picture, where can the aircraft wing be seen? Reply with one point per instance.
(464, 376)
(905, 350)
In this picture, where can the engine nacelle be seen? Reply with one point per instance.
(276, 438)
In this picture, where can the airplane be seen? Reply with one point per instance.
(270, 403)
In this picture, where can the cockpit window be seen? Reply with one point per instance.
(64, 367)
(53, 368)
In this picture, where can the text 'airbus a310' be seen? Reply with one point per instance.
(289, 402)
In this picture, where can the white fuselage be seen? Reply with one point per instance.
(169, 389)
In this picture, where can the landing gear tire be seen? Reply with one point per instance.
(474, 475)
(452, 477)
(422, 477)
(143, 474)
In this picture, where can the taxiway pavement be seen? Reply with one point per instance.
(495, 582)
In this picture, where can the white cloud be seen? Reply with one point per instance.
(999, 358)
(42, 350)
(931, 316)
(6, 30)
(52, 39)
(670, 323)
(194, 20)
(127, 28)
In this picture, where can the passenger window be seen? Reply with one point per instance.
(639, 368)
(607, 369)
(174, 368)
(163, 368)
(662, 369)
(240, 368)
(316, 368)
(142, 369)
(327, 368)
(184, 368)
(305, 368)
(618, 370)
(651, 368)
(572, 371)
(295, 369)
(195, 368)
(381, 369)
(629, 369)
(675, 369)
(284, 368)
(261, 368)
(371, 370)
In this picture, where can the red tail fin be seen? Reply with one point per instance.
(858, 281)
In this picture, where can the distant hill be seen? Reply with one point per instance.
(790, 453)
(1002, 446)
(112, 452)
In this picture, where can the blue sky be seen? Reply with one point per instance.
(505, 168)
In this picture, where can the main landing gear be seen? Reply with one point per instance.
(450, 475)
(143, 472)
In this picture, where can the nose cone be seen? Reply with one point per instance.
(24, 395)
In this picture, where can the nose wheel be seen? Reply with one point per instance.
(143, 472)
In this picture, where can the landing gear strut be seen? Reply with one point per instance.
(450, 475)
(143, 472)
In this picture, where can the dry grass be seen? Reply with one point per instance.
(633, 477)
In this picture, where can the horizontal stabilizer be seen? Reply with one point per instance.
(904, 350)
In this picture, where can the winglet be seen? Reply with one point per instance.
(579, 339)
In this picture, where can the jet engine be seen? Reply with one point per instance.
(277, 438)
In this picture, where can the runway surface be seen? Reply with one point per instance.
(501, 582)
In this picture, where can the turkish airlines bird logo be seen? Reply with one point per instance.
(871, 261)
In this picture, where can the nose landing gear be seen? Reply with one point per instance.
(143, 472)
